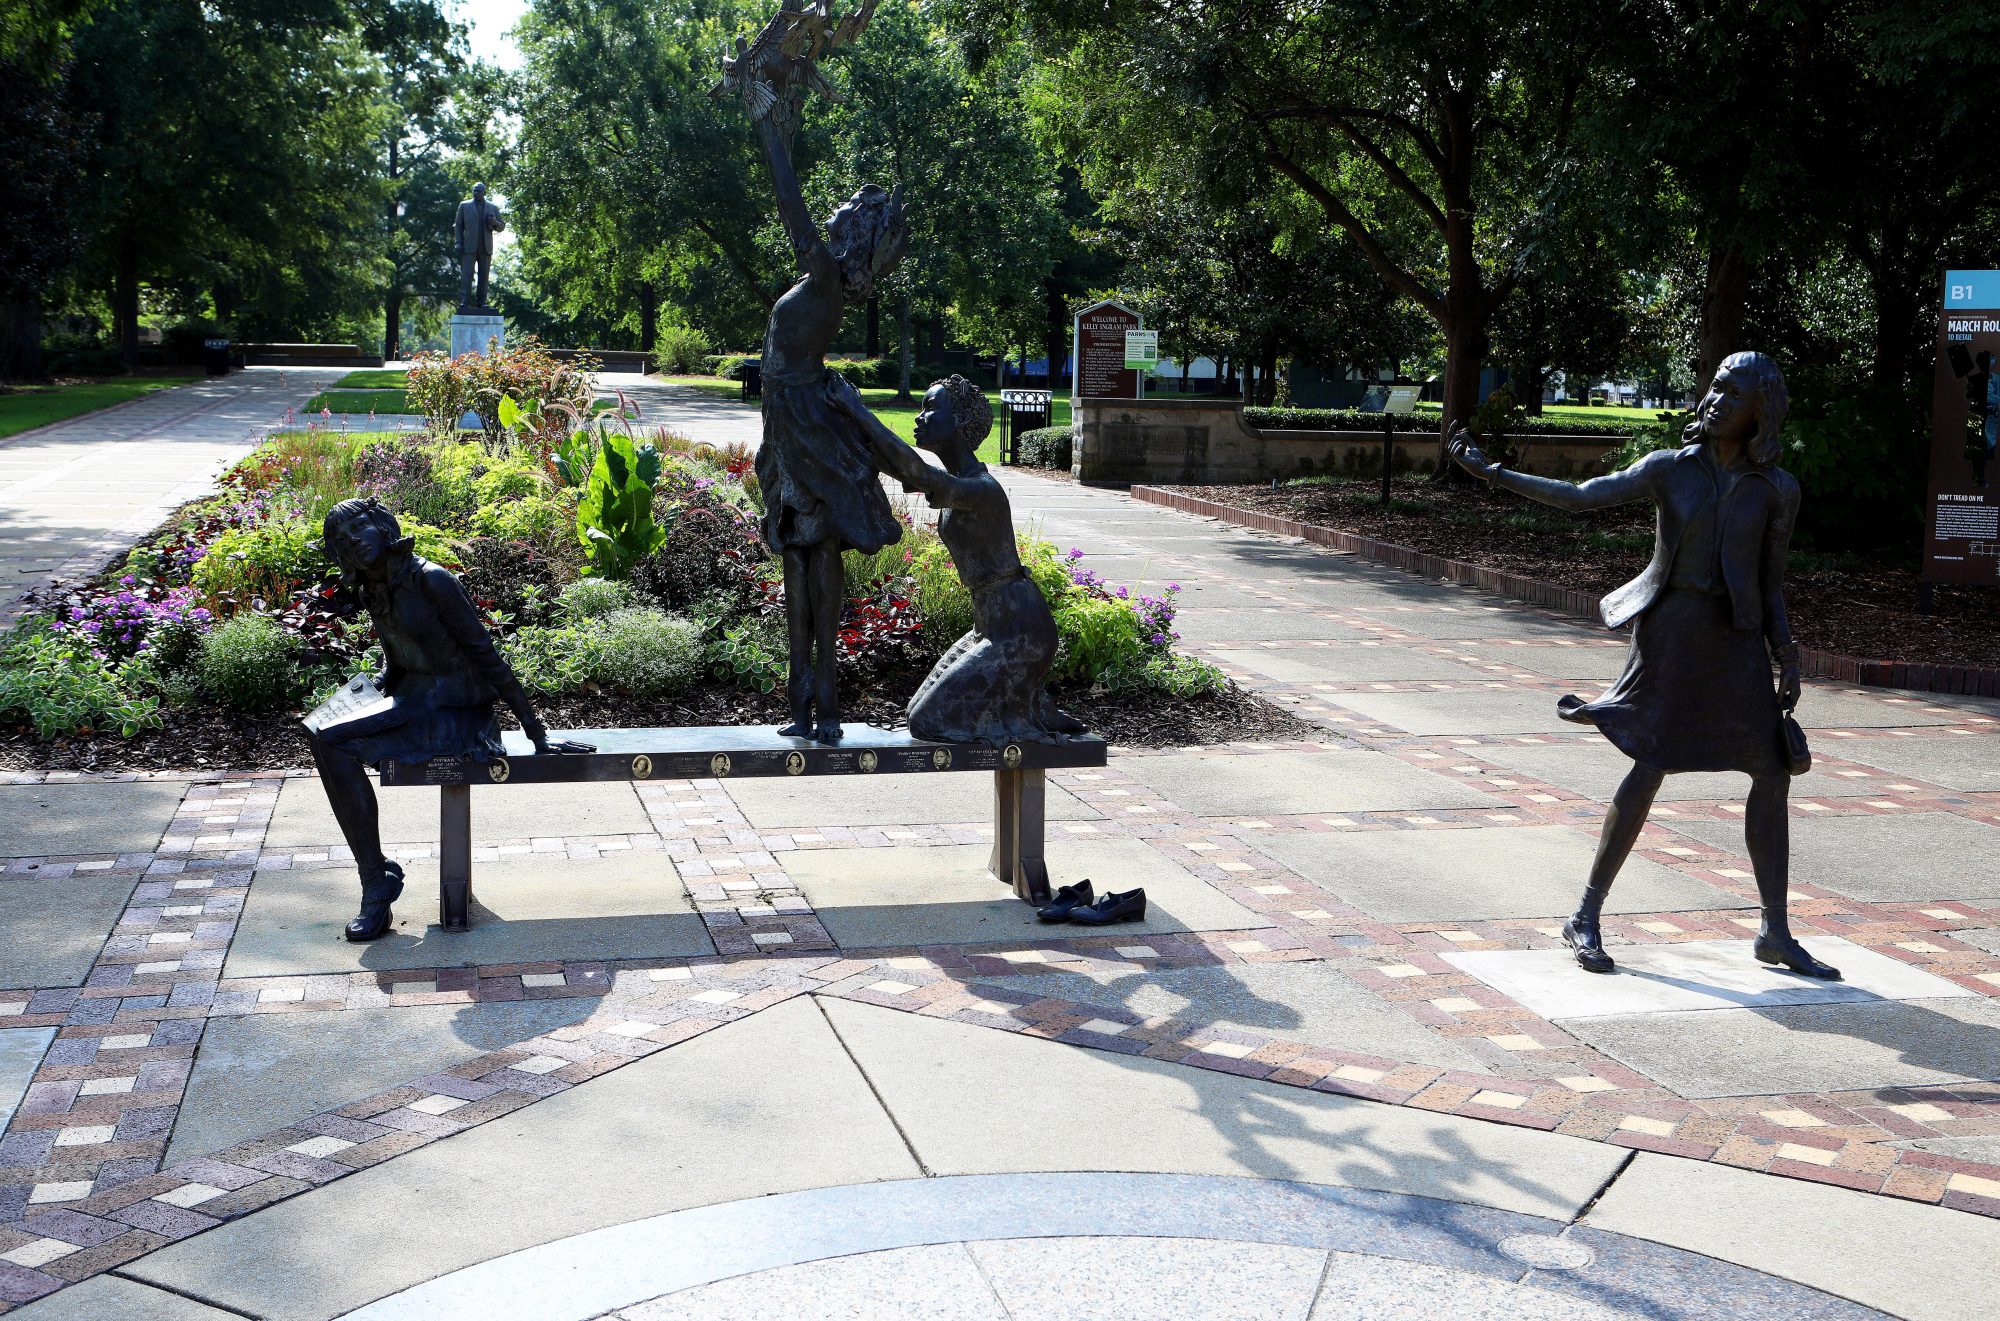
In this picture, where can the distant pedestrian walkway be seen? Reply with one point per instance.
(73, 494)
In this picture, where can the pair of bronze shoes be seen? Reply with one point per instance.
(1076, 903)
(1581, 934)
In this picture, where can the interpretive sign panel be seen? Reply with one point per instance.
(1099, 341)
(1962, 535)
(1142, 350)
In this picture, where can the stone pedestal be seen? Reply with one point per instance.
(470, 331)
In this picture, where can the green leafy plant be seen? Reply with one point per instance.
(249, 663)
(1046, 447)
(55, 683)
(747, 654)
(614, 520)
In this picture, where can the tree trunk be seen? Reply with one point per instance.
(649, 316)
(1055, 333)
(125, 306)
(21, 340)
(903, 347)
(1723, 301)
(392, 325)
(874, 349)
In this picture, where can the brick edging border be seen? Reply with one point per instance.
(1975, 680)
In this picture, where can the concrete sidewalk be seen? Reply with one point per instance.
(75, 493)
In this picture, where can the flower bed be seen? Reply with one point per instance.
(623, 574)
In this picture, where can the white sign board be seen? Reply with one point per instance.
(1403, 399)
(1142, 350)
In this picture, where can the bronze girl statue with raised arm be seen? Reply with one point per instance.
(1708, 621)
(818, 476)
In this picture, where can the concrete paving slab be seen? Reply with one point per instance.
(1594, 768)
(1986, 938)
(1805, 1048)
(1347, 663)
(1261, 624)
(21, 1051)
(869, 898)
(526, 908)
(939, 1281)
(114, 1298)
(1314, 1003)
(1918, 855)
(1702, 974)
(1482, 872)
(889, 800)
(1151, 1279)
(1921, 1262)
(262, 1072)
(519, 811)
(1821, 707)
(973, 1100)
(1446, 623)
(705, 1122)
(1986, 1150)
(1581, 664)
(43, 820)
(1482, 711)
(51, 931)
(1289, 783)
(1966, 762)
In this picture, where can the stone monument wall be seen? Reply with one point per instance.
(1199, 442)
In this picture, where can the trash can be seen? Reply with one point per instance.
(215, 356)
(753, 378)
(1027, 410)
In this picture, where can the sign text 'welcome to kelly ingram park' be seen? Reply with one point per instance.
(1962, 539)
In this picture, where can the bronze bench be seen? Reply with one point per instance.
(1020, 784)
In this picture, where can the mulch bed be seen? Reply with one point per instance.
(208, 738)
(1852, 603)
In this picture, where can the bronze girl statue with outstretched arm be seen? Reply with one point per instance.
(1708, 622)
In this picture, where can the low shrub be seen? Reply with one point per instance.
(122, 622)
(265, 562)
(249, 663)
(1046, 447)
(637, 650)
(750, 654)
(545, 521)
(680, 351)
(614, 518)
(57, 684)
(511, 579)
(591, 598)
(646, 652)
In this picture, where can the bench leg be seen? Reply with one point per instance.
(455, 858)
(1031, 874)
(1006, 826)
(1019, 808)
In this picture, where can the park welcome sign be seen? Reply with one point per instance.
(1962, 541)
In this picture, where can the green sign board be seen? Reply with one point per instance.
(1142, 350)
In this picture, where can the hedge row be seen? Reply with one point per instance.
(1046, 447)
(1349, 419)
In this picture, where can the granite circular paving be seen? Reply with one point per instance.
(1103, 1247)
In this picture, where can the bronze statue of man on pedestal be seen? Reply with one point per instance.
(472, 232)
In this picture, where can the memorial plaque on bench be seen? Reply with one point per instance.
(734, 752)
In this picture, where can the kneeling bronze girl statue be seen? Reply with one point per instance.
(434, 697)
(1708, 620)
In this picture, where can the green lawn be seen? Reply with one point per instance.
(25, 407)
(360, 401)
(1593, 413)
(374, 378)
(899, 418)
